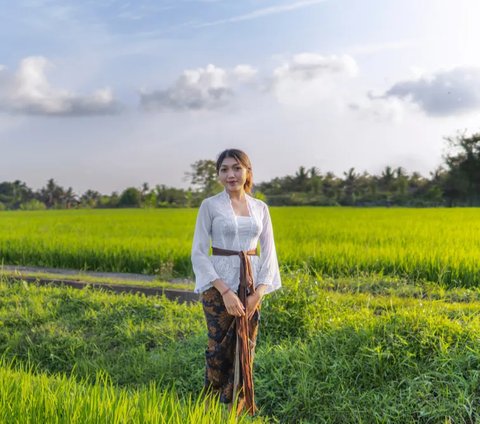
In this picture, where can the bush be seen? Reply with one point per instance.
(33, 205)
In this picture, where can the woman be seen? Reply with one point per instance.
(234, 279)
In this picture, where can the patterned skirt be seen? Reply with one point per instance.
(222, 343)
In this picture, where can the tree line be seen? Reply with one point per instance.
(455, 183)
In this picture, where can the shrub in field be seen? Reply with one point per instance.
(33, 205)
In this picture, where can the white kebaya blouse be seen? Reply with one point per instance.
(218, 226)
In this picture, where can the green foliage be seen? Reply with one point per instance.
(203, 175)
(130, 198)
(462, 184)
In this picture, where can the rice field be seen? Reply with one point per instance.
(441, 245)
(377, 321)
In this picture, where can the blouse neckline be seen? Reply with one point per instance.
(248, 198)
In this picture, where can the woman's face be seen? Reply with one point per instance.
(232, 174)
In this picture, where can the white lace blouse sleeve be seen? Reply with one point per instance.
(269, 273)
(202, 266)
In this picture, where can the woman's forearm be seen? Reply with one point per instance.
(220, 285)
(260, 289)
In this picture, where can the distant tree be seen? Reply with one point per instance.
(401, 181)
(144, 191)
(69, 198)
(349, 186)
(387, 179)
(130, 198)
(114, 200)
(330, 186)
(90, 198)
(52, 194)
(13, 194)
(462, 184)
(315, 178)
(203, 176)
(300, 179)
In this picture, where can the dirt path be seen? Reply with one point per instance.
(179, 295)
(62, 271)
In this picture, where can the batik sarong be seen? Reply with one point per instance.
(222, 349)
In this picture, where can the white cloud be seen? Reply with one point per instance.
(244, 73)
(442, 93)
(195, 89)
(309, 79)
(28, 91)
(380, 109)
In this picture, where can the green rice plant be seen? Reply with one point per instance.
(440, 245)
(30, 397)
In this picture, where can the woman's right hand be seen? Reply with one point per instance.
(233, 304)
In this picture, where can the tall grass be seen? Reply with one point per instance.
(376, 350)
(29, 397)
(441, 245)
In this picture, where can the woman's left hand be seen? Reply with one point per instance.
(253, 302)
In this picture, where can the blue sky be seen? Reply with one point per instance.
(109, 94)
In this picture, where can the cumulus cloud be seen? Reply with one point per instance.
(443, 93)
(28, 91)
(310, 79)
(380, 109)
(244, 73)
(195, 89)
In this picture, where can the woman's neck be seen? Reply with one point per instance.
(236, 195)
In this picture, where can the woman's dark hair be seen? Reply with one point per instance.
(241, 157)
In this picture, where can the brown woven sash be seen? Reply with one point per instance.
(245, 381)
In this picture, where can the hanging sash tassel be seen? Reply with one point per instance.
(243, 385)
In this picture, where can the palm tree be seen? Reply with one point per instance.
(315, 179)
(69, 198)
(330, 185)
(52, 194)
(349, 185)
(387, 178)
(301, 178)
(145, 189)
(401, 180)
